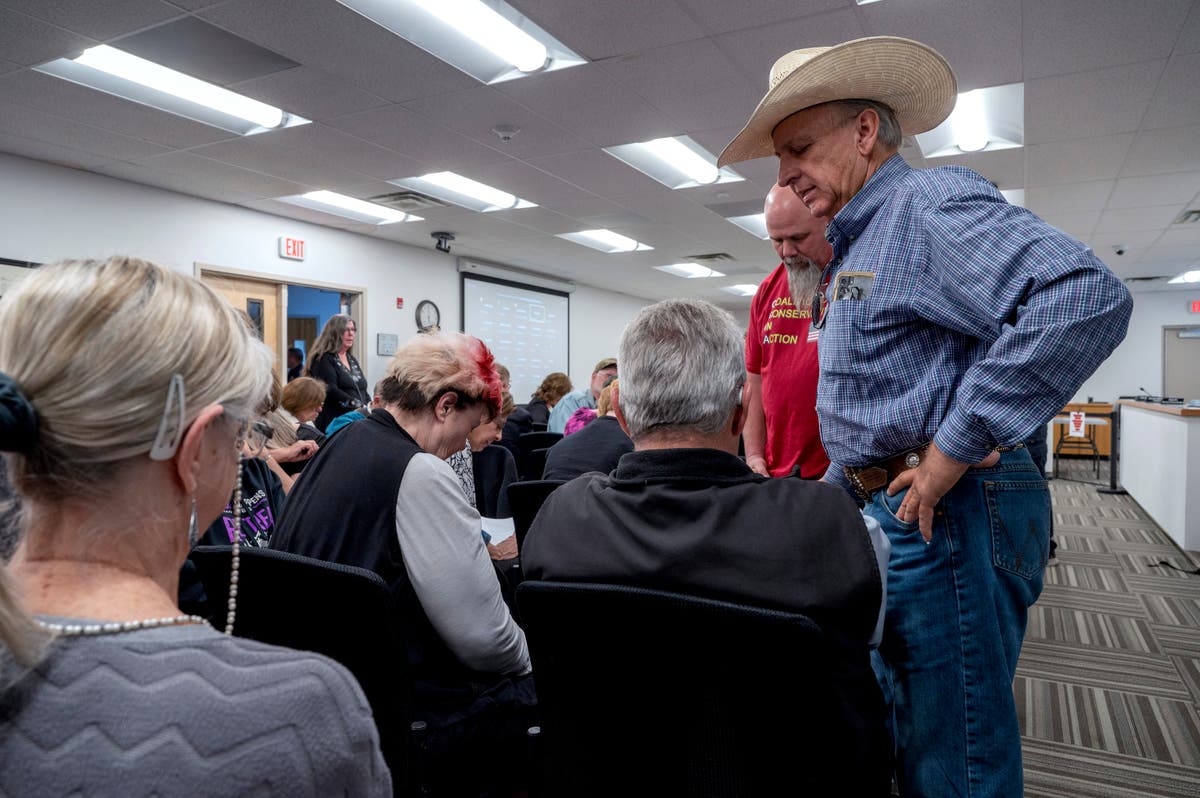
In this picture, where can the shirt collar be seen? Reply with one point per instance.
(707, 465)
(849, 223)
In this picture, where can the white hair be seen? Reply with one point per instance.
(682, 368)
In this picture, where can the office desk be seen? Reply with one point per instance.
(1160, 465)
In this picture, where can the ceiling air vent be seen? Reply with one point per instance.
(407, 201)
(1188, 217)
(711, 257)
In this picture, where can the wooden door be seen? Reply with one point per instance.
(262, 301)
(1181, 362)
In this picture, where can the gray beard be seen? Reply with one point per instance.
(803, 277)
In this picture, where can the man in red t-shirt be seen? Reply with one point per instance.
(781, 355)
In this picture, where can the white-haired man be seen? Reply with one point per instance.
(954, 324)
(781, 350)
(683, 513)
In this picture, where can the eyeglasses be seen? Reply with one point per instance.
(252, 437)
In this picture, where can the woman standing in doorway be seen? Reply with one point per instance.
(330, 362)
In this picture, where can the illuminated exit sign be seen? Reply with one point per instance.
(291, 248)
(1196, 306)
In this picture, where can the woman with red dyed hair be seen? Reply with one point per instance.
(379, 495)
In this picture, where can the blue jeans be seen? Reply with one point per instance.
(956, 613)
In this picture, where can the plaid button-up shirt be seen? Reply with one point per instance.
(980, 323)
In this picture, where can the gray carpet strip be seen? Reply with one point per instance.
(1108, 687)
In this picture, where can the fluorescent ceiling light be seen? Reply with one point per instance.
(606, 241)
(676, 162)
(125, 75)
(463, 191)
(350, 208)
(741, 289)
(488, 39)
(1015, 196)
(983, 120)
(755, 224)
(1187, 277)
(690, 270)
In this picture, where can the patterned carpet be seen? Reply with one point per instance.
(1108, 688)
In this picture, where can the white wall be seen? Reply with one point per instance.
(1137, 362)
(49, 212)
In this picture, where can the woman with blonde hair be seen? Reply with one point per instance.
(330, 361)
(117, 468)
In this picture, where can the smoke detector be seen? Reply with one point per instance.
(506, 132)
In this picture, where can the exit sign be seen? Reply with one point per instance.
(1196, 306)
(291, 248)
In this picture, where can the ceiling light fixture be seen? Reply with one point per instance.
(606, 241)
(349, 207)
(1192, 276)
(676, 162)
(488, 39)
(970, 122)
(463, 191)
(983, 120)
(125, 75)
(741, 289)
(755, 224)
(690, 270)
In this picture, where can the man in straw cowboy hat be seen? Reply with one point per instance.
(952, 326)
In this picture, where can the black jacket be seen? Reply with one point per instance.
(596, 447)
(344, 391)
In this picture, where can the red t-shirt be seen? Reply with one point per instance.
(779, 349)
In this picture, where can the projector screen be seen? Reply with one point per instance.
(525, 327)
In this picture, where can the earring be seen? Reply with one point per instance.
(235, 550)
(193, 528)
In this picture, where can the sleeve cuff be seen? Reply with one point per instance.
(963, 438)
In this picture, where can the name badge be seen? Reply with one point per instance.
(853, 285)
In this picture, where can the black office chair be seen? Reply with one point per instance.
(343, 612)
(527, 443)
(648, 693)
(525, 499)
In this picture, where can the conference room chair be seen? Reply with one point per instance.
(650, 693)
(525, 499)
(526, 444)
(343, 612)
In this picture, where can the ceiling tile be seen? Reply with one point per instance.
(1103, 241)
(8, 66)
(755, 50)
(408, 133)
(199, 184)
(310, 93)
(331, 37)
(1164, 152)
(613, 27)
(1078, 35)
(1080, 225)
(592, 104)
(1068, 197)
(1101, 102)
(1005, 168)
(54, 96)
(269, 155)
(1175, 100)
(1098, 158)
(540, 219)
(1189, 38)
(203, 50)
(599, 172)
(1152, 218)
(474, 112)
(34, 124)
(51, 153)
(1182, 235)
(191, 167)
(1171, 257)
(718, 16)
(28, 41)
(529, 183)
(980, 38)
(1133, 192)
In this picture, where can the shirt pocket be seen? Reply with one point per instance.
(1019, 517)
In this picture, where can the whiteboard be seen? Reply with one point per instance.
(525, 327)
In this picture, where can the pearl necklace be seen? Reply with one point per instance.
(92, 629)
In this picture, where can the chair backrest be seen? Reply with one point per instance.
(527, 443)
(525, 499)
(343, 612)
(536, 462)
(644, 692)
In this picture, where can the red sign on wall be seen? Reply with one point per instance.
(291, 248)
(1196, 306)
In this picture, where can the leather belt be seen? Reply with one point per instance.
(872, 477)
(869, 478)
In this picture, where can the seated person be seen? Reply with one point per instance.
(108, 689)
(596, 447)
(380, 495)
(533, 417)
(292, 421)
(683, 513)
(584, 397)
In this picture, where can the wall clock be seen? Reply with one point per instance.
(428, 316)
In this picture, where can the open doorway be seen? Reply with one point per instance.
(287, 314)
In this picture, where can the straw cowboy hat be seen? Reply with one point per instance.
(909, 77)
